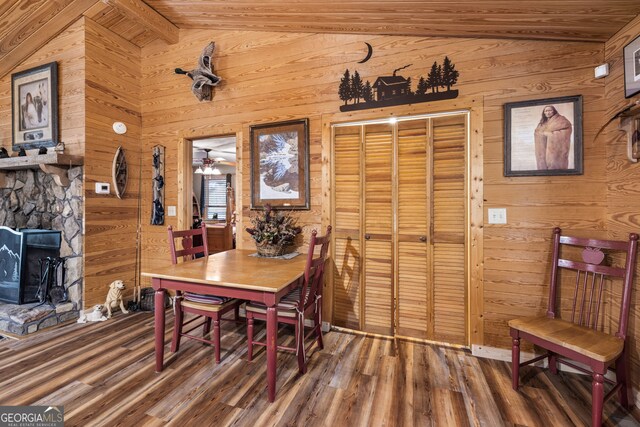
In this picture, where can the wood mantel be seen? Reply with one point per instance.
(53, 163)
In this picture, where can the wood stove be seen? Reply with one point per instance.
(20, 266)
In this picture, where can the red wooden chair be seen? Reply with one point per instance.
(593, 333)
(303, 302)
(208, 306)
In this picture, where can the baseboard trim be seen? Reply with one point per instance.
(503, 354)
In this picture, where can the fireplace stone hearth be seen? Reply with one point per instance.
(31, 199)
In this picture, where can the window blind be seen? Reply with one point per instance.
(215, 199)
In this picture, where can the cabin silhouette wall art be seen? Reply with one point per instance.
(396, 89)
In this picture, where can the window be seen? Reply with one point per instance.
(215, 198)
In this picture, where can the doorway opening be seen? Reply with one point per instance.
(213, 176)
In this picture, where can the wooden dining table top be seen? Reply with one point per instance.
(235, 268)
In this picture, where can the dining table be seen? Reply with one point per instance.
(236, 274)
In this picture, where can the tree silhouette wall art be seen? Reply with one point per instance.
(396, 89)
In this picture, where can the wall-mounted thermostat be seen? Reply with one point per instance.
(102, 188)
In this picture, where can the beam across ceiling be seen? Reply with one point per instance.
(147, 17)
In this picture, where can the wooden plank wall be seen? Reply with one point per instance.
(112, 87)
(622, 176)
(278, 76)
(67, 49)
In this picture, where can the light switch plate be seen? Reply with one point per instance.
(171, 211)
(497, 215)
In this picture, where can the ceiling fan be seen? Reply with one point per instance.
(208, 166)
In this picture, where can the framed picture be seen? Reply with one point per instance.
(280, 165)
(543, 137)
(34, 107)
(632, 68)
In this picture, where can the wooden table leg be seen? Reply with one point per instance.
(159, 327)
(272, 347)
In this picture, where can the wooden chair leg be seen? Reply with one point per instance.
(515, 362)
(216, 338)
(597, 398)
(249, 337)
(177, 327)
(621, 377)
(207, 327)
(318, 329)
(236, 313)
(302, 366)
(553, 363)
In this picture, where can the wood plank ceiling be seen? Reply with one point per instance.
(583, 20)
(27, 25)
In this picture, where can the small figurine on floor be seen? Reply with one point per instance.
(21, 152)
(3, 153)
(92, 315)
(42, 150)
(114, 297)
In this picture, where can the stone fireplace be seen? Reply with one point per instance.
(31, 199)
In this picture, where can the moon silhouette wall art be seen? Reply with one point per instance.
(369, 53)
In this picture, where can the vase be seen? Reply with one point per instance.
(270, 250)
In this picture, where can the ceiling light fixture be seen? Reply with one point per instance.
(209, 165)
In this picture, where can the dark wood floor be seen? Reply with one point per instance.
(103, 374)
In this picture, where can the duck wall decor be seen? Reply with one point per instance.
(203, 77)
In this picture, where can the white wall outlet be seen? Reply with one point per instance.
(497, 216)
(102, 188)
(171, 211)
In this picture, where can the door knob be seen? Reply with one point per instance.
(367, 236)
(423, 238)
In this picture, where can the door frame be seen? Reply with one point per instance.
(474, 197)
(185, 174)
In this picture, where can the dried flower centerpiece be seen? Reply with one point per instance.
(273, 231)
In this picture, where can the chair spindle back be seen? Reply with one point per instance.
(592, 274)
(188, 251)
(314, 269)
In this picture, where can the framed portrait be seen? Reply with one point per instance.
(280, 165)
(543, 137)
(34, 107)
(632, 68)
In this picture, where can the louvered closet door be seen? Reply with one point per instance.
(449, 276)
(414, 220)
(346, 233)
(378, 229)
(400, 226)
